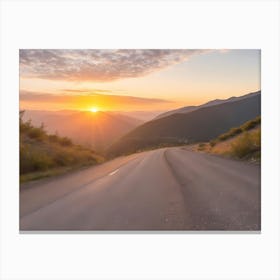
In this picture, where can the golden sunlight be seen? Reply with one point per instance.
(94, 109)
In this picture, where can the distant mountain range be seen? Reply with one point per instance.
(95, 130)
(188, 109)
(140, 115)
(190, 124)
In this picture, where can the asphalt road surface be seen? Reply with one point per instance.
(165, 189)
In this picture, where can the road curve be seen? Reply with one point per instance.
(165, 189)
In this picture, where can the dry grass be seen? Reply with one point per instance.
(246, 145)
(43, 155)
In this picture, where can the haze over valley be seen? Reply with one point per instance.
(93, 129)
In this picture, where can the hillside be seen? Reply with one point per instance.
(243, 142)
(43, 154)
(188, 109)
(94, 130)
(200, 125)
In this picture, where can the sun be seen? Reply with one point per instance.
(94, 109)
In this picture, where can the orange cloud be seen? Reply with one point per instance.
(31, 100)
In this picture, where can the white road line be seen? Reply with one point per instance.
(112, 173)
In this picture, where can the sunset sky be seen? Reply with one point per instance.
(128, 80)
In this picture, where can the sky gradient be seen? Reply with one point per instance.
(128, 80)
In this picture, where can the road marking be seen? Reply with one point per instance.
(114, 172)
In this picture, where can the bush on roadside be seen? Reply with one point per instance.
(34, 160)
(25, 126)
(247, 145)
(251, 124)
(65, 141)
(53, 138)
(213, 142)
(41, 152)
(37, 133)
(237, 130)
(201, 146)
(231, 133)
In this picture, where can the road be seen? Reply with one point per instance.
(165, 189)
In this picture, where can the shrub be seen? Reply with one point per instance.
(251, 124)
(53, 138)
(201, 146)
(36, 133)
(64, 159)
(33, 160)
(247, 144)
(235, 131)
(213, 143)
(42, 162)
(25, 126)
(231, 133)
(223, 137)
(65, 141)
(47, 152)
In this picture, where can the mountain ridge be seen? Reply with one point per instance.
(188, 109)
(199, 125)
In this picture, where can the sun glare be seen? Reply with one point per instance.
(94, 110)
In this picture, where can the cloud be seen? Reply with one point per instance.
(98, 65)
(87, 90)
(30, 99)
